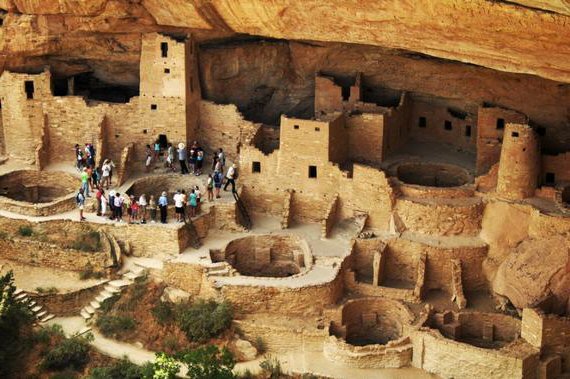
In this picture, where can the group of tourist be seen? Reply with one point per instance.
(140, 209)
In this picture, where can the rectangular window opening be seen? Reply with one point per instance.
(255, 167)
(447, 125)
(317, 129)
(468, 131)
(422, 122)
(500, 123)
(295, 126)
(29, 88)
(514, 134)
(550, 178)
(153, 107)
(312, 171)
(145, 131)
(167, 71)
(164, 49)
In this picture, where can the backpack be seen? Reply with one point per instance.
(217, 178)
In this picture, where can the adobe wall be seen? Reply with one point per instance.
(68, 304)
(543, 225)
(505, 328)
(489, 138)
(338, 148)
(41, 254)
(328, 95)
(550, 333)
(394, 354)
(397, 125)
(365, 134)
(438, 264)
(224, 126)
(558, 164)
(22, 118)
(441, 219)
(462, 134)
(452, 359)
(519, 167)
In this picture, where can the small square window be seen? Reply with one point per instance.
(515, 134)
(312, 171)
(500, 123)
(153, 107)
(167, 71)
(295, 126)
(145, 131)
(467, 130)
(117, 136)
(447, 125)
(422, 122)
(317, 129)
(255, 167)
(550, 178)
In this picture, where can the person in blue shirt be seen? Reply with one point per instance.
(163, 205)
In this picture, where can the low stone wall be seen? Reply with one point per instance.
(451, 359)
(330, 218)
(61, 205)
(442, 218)
(68, 304)
(41, 254)
(394, 354)
(412, 190)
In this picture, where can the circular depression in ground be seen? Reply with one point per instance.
(266, 255)
(433, 174)
(37, 187)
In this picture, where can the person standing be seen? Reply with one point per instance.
(179, 205)
(182, 158)
(198, 198)
(210, 187)
(170, 159)
(199, 161)
(112, 205)
(104, 202)
(148, 159)
(218, 179)
(152, 208)
(193, 203)
(118, 205)
(163, 205)
(156, 150)
(231, 177)
(99, 195)
(85, 181)
(143, 206)
(106, 173)
(80, 199)
(221, 159)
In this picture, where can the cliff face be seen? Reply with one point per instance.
(525, 36)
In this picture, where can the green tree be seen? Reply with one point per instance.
(209, 363)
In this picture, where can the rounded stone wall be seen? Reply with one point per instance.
(266, 255)
(38, 193)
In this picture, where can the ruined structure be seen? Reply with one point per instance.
(376, 227)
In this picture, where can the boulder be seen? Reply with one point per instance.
(174, 295)
(243, 350)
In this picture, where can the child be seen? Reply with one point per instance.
(210, 187)
(134, 211)
(152, 208)
(193, 203)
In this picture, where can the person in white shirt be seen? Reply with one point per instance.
(231, 177)
(179, 205)
(142, 204)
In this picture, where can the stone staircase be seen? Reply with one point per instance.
(111, 289)
(40, 314)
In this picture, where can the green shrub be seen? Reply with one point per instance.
(247, 374)
(122, 369)
(260, 345)
(204, 319)
(89, 273)
(88, 242)
(209, 362)
(112, 326)
(47, 290)
(163, 313)
(271, 367)
(133, 296)
(25, 231)
(108, 304)
(44, 335)
(67, 374)
(72, 353)
(166, 367)
(4, 235)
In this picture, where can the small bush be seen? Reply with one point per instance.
(123, 369)
(112, 326)
(204, 319)
(72, 353)
(108, 304)
(163, 313)
(133, 297)
(89, 273)
(88, 242)
(44, 335)
(47, 290)
(247, 374)
(25, 231)
(272, 367)
(260, 345)
(67, 374)
(4, 235)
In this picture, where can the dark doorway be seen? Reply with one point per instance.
(549, 178)
(60, 87)
(164, 49)
(29, 88)
(312, 171)
(468, 131)
(500, 123)
(345, 93)
(163, 141)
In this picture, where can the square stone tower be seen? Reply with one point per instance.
(169, 87)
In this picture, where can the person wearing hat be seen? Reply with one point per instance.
(163, 205)
(182, 158)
